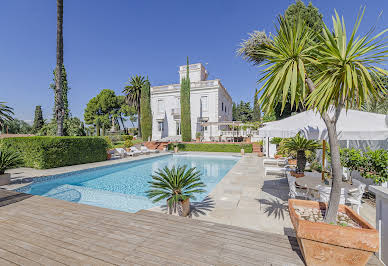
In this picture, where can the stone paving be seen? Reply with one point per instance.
(246, 198)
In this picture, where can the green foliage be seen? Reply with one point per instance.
(38, 119)
(351, 158)
(65, 90)
(248, 47)
(108, 142)
(8, 159)
(276, 140)
(185, 106)
(6, 113)
(378, 104)
(175, 185)
(269, 116)
(128, 143)
(17, 126)
(256, 113)
(300, 143)
(127, 137)
(103, 109)
(51, 152)
(375, 165)
(145, 110)
(133, 95)
(72, 126)
(242, 112)
(212, 147)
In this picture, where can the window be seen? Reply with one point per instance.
(204, 103)
(222, 108)
(178, 128)
(225, 109)
(160, 126)
(160, 106)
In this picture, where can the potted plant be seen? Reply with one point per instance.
(128, 144)
(177, 185)
(260, 152)
(8, 160)
(176, 147)
(300, 145)
(198, 137)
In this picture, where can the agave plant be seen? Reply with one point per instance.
(8, 160)
(175, 185)
(300, 145)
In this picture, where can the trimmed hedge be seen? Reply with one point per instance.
(51, 152)
(210, 147)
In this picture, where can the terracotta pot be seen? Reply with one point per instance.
(108, 156)
(198, 140)
(5, 179)
(176, 149)
(248, 139)
(292, 161)
(181, 209)
(329, 244)
(297, 175)
(277, 156)
(260, 154)
(242, 151)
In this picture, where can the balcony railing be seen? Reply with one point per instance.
(176, 113)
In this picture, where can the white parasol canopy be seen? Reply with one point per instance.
(351, 125)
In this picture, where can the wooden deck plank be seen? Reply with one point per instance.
(50, 232)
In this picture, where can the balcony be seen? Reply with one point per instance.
(176, 113)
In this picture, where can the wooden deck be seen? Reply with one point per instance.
(42, 231)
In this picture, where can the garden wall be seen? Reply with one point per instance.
(51, 152)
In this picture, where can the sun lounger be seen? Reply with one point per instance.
(123, 153)
(276, 170)
(145, 149)
(137, 151)
(278, 162)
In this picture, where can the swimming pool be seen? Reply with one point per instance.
(122, 186)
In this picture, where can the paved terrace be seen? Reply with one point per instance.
(43, 231)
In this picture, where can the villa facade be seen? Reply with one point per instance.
(209, 102)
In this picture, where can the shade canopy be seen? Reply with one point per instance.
(351, 125)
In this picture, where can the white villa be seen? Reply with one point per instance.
(210, 105)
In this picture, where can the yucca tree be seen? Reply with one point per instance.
(8, 160)
(300, 145)
(133, 95)
(59, 110)
(175, 185)
(6, 113)
(326, 72)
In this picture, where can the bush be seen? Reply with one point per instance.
(51, 152)
(128, 143)
(109, 142)
(127, 137)
(275, 140)
(210, 147)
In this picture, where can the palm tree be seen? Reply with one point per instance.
(59, 110)
(133, 95)
(300, 145)
(336, 70)
(176, 185)
(6, 113)
(8, 159)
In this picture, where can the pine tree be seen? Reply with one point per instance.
(38, 119)
(146, 114)
(185, 106)
(65, 89)
(256, 109)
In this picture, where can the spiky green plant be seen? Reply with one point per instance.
(185, 106)
(8, 159)
(6, 113)
(175, 184)
(326, 72)
(300, 145)
(133, 94)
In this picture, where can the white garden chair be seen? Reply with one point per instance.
(276, 170)
(278, 162)
(145, 150)
(354, 197)
(324, 194)
(296, 192)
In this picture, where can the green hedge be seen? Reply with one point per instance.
(51, 152)
(210, 147)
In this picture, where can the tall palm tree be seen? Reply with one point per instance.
(133, 94)
(6, 113)
(326, 72)
(59, 110)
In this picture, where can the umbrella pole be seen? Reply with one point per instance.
(323, 158)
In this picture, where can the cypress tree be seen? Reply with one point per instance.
(145, 110)
(185, 106)
(256, 109)
(38, 119)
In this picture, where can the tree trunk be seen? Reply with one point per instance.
(138, 120)
(58, 80)
(335, 194)
(98, 129)
(300, 161)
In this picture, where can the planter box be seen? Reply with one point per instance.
(329, 244)
(297, 175)
(5, 179)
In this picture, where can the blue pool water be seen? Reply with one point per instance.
(123, 186)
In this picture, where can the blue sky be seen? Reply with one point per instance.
(105, 42)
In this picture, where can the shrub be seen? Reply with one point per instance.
(109, 142)
(128, 143)
(375, 165)
(51, 152)
(210, 147)
(127, 137)
(276, 140)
